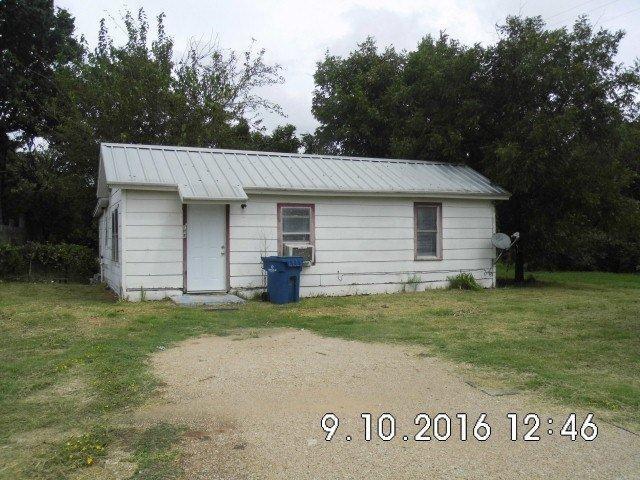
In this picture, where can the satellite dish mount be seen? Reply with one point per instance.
(503, 242)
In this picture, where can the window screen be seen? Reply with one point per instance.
(105, 222)
(115, 233)
(427, 234)
(296, 224)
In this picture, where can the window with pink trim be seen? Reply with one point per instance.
(427, 231)
(296, 225)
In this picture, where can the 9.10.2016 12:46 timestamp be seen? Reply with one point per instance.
(442, 427)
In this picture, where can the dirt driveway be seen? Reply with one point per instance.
(254, 405)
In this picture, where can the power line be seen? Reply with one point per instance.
(587, 12)
(621, 15)
(570, 9)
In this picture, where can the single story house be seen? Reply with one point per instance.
(176, 219)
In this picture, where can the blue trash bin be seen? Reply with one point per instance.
(283, 278)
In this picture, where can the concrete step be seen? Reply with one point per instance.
(196, 299)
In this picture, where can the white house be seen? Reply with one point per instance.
(177, 219)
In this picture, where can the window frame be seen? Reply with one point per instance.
(312, 226)
(438, 255)
(106, 233)
(115, 236)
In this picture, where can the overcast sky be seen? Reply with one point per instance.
(296, 33)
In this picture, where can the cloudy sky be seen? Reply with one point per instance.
(296, 33)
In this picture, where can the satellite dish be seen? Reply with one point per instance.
(501, 241)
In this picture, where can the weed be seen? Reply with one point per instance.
(411, 283)
(464, 281)
(82, 451)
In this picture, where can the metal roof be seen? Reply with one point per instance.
(207, 174)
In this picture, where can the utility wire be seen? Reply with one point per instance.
(555, 24)
(621, 15)
(570, 9)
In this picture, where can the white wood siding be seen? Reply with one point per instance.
(111, 271)
(364, 245)
(153, 257)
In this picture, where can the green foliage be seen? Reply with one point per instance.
(13, 261)
(351, 101)
(630, 156)
(137, 92)
(422, 104)
(556, 103)
(437, 103)
(43, 261)
(36, 40)
(282, 139)
(52, 196)
(206, 99)
(547, 114)
(463, 281)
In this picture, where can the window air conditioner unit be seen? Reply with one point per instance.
(304, 251)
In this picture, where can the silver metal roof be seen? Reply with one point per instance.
(206, 174)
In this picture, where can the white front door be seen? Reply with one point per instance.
(206, 248)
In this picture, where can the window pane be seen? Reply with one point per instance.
(296, 224)
(296, 237)
(427, 244)
(427, 218)
(296, 211)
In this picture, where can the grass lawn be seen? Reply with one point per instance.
(73, 361)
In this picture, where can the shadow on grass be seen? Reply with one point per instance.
(529, 281)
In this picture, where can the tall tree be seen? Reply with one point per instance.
(352, 100)
(35, 38)
(437, 105)
(554, 104)
(56, 202)
(422, 104)
(137, 92)
(282, 139)
(216, 99)
(630, 155)
(545, 113)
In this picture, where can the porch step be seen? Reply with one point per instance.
(193, 300)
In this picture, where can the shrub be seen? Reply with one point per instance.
(46, 261)
(13, 261)
(463, 281)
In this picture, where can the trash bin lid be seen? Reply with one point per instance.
(288, 261)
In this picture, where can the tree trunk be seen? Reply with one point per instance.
(519, 264)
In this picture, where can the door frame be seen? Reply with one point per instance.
(185, 244)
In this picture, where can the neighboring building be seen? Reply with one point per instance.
(177, 219)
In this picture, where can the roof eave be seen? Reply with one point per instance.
(379, 193)
(101, 204)
(143, 186)
(321, 192)
(172, 188)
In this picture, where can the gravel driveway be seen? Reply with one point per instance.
(254, 404)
